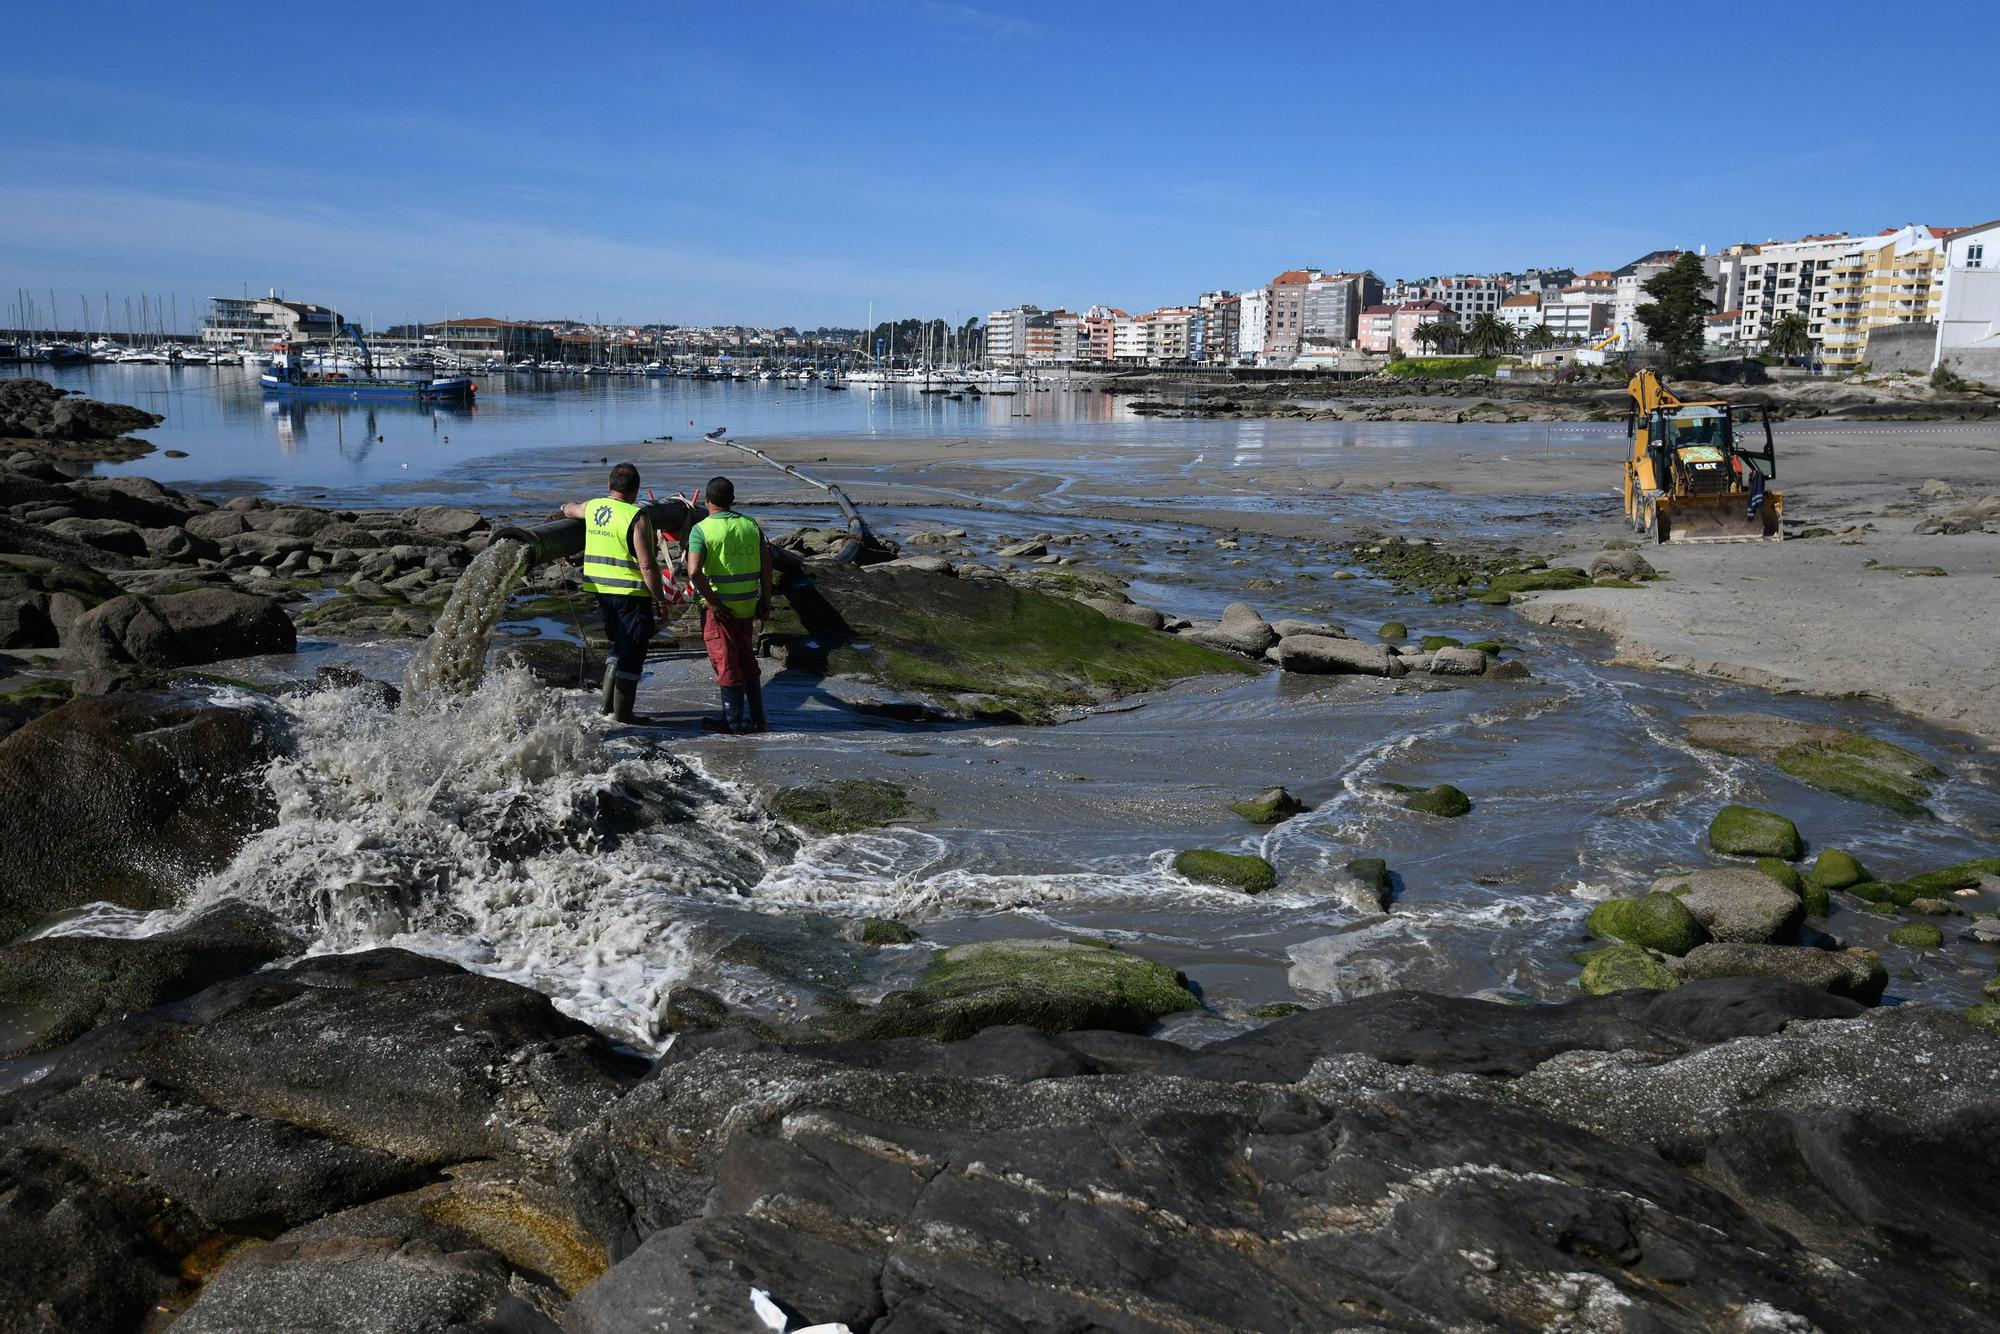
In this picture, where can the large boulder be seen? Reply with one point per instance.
(1834, 759)
(1625, 968)
(114, 535)
(1323, 655)
(1737, 904)
(1846, 973)
(1241, 630)
(1655, 921)
(1054, 985)
(181, 629)
(1458, 662)
(1745, 831)
(38, 598)
(1226, 870)
(127, 797)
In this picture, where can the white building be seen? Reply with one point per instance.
(1577, 320)
(252, 324)
(1253, 318)
(1007, 335)
(1131, 339)
(1521, 312)
(1968, 327)
(1779, 280)
(1628, 286)
(1466, 296)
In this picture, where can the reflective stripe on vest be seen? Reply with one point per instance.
(732, 559)
(608, 566)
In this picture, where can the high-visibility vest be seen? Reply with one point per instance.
(732, 559)
(608, 566)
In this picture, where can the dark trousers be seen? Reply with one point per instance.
(629, 624)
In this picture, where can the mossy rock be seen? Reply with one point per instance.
(1986, 1014)
(1835, 869)
(1625, 968)
(846, 805)
(1494, 598)
(1782, 872)
(1393, 630)
(1277, 1010)
(1227, 870)
(1889, 892)
(1656, 921)
(1962, 875)
(1432, 643)
(1443, 800)
(1372, 872)
(1745, 831)
(1020, 652)
(1539, 581)
(1055, 985)
(1833, 759)
(1269, 806)
(1918, 936)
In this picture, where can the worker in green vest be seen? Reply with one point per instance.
(730, 567)
(621, 566)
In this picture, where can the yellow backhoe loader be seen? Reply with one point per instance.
(1692, 476)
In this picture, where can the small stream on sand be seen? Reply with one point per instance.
(512, 829)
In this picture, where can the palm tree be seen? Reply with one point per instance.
(1789, 338)
(1430, 335)
(1489, 335)
(1542, 335)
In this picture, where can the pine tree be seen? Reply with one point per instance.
(1675, 318)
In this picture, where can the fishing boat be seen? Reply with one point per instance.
(288, 376)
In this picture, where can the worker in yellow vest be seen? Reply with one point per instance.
(621, 566)
(730, 567)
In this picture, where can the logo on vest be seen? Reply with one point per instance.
(601, 515)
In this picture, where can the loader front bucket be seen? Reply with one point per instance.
(1720, 518)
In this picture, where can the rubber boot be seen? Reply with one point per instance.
(623, 694)
(610, 680)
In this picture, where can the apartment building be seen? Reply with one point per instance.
(1384, 326)
(1465, 296)
(1521, 312)
(1253, 319)
(1332, 306)
(1577, 319)
(1007, 336)
(484, 338)
(1170, 338)
(1216, 328)
(1132, 339)
(1099, 325)
(1778, 280)
(1286, 321)
(1894, 277)
(1054, 338)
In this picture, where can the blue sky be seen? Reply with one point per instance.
(794, 162)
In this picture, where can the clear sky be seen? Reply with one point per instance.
(794, 162)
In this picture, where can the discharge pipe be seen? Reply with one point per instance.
(560, 538)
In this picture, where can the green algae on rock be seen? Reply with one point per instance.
(1625, 968)
(1227, 870)
(1056, 985)
(1443, 800)
(1269, 806)
(846, 805)
(1960, 875)
(978, 647)
(1838, 870)
(1833, 759)
(1918, 935)
(1656, 921)
(1782, 872)
(1745, 831)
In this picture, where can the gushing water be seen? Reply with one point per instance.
(453, 659)
(508, 830)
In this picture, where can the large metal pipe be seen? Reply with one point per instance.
(558, 539)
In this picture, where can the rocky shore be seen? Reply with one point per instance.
(1542, 396)
(383, 1142)
(59, 425)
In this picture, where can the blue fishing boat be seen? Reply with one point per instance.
(287, 376)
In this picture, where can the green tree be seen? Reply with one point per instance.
(1489, 335)
(1675, 317)
(1542, 336)
(1789, 338)
(1430, 335)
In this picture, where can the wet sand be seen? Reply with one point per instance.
(1809, 615)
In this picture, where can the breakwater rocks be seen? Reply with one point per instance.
(384, 1142)
(55, 423)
